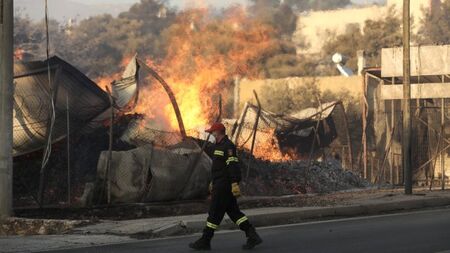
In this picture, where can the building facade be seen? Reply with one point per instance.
(313, 27)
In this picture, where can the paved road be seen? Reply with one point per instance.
(427, 231)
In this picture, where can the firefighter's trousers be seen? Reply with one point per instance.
(223, 201)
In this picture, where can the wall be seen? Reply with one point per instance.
(352, 85)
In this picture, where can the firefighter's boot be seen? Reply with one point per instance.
(204, 243)
(253, 239)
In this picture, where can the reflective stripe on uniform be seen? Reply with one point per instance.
(232, 159)
(218, 152)
(243, 219)
(212, 225)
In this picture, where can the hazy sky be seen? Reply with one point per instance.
(80, 9)
(184, 3)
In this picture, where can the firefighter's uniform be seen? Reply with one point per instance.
(226, 175)
(225, 171)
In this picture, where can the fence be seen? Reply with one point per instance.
(72, 167)
(430, 144)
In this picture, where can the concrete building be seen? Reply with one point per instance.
(314, 26)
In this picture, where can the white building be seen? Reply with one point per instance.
(314, 26)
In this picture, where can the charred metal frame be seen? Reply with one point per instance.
(389, 90)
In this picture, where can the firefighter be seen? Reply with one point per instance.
(226, 175)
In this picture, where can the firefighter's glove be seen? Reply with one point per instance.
(235, 190)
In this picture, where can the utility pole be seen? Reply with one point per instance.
(406, 138)
(6, 106)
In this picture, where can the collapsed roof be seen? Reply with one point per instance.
(32, 102)
(293, 134)
(37, 83)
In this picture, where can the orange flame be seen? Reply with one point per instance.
(266, 146)
(203, 55)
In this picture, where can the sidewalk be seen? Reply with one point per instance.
(351, 204)
(361, 204)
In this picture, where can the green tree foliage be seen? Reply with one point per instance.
(97, 45)
(282, 99)
(375, 35)
(105, 40)
(345, 44)
(26, 31)
(281, 60)
(279, 16)
(435, 26)
(30, 36)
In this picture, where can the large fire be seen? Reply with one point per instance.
(203, 56)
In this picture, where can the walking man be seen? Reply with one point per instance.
(226, 175)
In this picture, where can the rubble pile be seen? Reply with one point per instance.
(297, 177)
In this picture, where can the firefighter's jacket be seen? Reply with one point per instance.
(225, 163)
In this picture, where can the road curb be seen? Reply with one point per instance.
(272, 217)
(295, 216)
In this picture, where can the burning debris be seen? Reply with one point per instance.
(292, 137)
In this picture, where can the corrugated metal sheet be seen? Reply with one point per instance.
(32, 106)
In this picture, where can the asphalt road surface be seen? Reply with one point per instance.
(425, 231)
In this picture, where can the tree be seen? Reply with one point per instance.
(382, 33)
(276, 14)
(282, 99)
(98, 45)
(345, 44)
(31, 36)
(375, 35)
(435, 26)
(280, 60)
